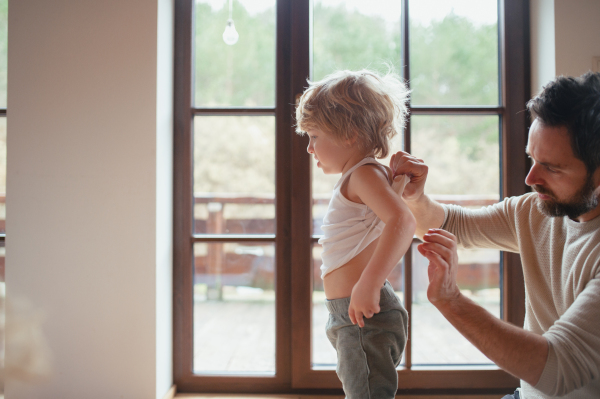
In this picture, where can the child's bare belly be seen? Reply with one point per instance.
(339, 283)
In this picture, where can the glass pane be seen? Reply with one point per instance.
(241, 74)
(323, 354)
(355, 35)
(2, 174)
(434, 339)
(234, 308)
(3, 48)
(234, 174)
(463, 156)
(464, 168)
(2, 267)
(454, 52)
(2, 313)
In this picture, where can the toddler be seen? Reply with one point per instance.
(350, 118)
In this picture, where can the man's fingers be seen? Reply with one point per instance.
(442, 232)
(442, 250)
(441, 237)
(433, 257)
(412, 167)
(396, 159)
(403, 163)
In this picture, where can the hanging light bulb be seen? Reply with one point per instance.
(230, 36)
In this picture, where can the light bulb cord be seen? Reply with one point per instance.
(230, 9)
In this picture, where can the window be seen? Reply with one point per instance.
(249, 311)
(3, 83)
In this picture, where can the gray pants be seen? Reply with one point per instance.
(513, 396)
(368, 356)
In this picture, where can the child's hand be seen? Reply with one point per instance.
(364, 302)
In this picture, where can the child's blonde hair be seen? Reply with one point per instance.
(361, 105)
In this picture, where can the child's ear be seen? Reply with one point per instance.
(351, 140)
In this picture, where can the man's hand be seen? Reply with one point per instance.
(402, 163)
(364, 302)
(522, 353)
(439, 248)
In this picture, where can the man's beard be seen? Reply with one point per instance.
(582, 202)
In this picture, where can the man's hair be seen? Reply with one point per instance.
(575, 104)
(361, 105)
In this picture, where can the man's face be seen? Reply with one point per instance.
(562, 182)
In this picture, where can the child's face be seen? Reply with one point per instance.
(331, 155)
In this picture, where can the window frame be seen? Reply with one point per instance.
(3, 199)
(293, 209)
(184, 237)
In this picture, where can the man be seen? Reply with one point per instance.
(556, 230)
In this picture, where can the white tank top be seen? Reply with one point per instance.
(348, 227)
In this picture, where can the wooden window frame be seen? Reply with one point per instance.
(3, 234)
(293, 210)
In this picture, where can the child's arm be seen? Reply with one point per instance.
(370, 185)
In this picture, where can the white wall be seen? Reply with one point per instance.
(543, 67)
(565, 36)
(577, 35)
(89, 191)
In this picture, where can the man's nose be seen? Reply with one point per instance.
(533, 177)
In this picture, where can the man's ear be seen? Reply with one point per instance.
(596, 178)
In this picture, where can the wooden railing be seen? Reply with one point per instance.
(219, 267)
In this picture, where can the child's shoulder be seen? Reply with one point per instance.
(373, 170)
(369, 176)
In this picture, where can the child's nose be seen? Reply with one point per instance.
(309, 149)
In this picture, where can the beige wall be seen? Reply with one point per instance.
(577, 35)
(543, 66)
(90, 183)
(565, 36)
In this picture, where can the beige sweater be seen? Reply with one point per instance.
(561, 265)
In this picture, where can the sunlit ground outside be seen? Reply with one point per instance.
(234, 325)
(235, 334)
(234, 308)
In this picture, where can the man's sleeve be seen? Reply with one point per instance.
(489, 227)
(574, 345)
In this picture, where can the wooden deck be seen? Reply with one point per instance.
(232, 336)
